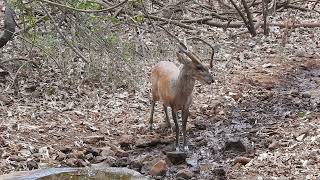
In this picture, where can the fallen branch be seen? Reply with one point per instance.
(241, 24)
(177, 23)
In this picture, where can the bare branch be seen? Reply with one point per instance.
(84, 10)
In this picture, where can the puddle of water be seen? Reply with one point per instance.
(88, 176)
(76, 174)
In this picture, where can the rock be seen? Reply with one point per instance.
(100, 159)
(235, 145)
(185, 173)
(301, 137)
(176, 157)
(5, 100)
(71, 162)
(121, 162)
(66, 149)
(119, 152)
(32, 165)
(78, 154)
(193, 161)
(60, 156)
(17, 158)
(93, 139)
(89, 157)
(80, 163)
(93, 151)
(106, 151)
(125, 141)
(219, 173)
(200, 125)
(76, 173)
(273, 145)
(159, 169)
(242, 160)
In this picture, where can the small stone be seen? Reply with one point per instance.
(159, 169)
(89, 156)
(41, 130)
(235, 145)
(105, 152)
(273, 145)
(78, 154)
(219, 172)
(32, 165)
(306, 95)
(93, 151)
(125, 141)
(176, 157)
(66, 150)
(60, 156)
(200, 125)
(301, 137)
(71, 162)
(121, 162)
(100, 159)
(93, 139)
(119, 152)
(80, 163)
(185, 173)
(193, 161)
(242, 160)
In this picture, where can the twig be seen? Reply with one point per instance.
(76, 50)
(84, 10)
(15, 76)
(177, 23)
(19, 59)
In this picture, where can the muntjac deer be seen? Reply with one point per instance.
(173, 87)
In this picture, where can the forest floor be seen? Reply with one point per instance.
(259, 120)
(267, 112)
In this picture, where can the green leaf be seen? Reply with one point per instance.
(139, 18)
(303, 114)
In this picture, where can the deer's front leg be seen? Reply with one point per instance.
(151, 115)
(185, 114)
(174, 117)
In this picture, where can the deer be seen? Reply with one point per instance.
(173, 87)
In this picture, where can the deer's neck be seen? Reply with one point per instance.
(185, 83)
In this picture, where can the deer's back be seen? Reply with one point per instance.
(163, 79)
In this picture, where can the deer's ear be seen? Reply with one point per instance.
(181, 58)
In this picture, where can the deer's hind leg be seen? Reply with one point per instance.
(165, 109)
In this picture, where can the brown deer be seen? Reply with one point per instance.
(173, 87)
